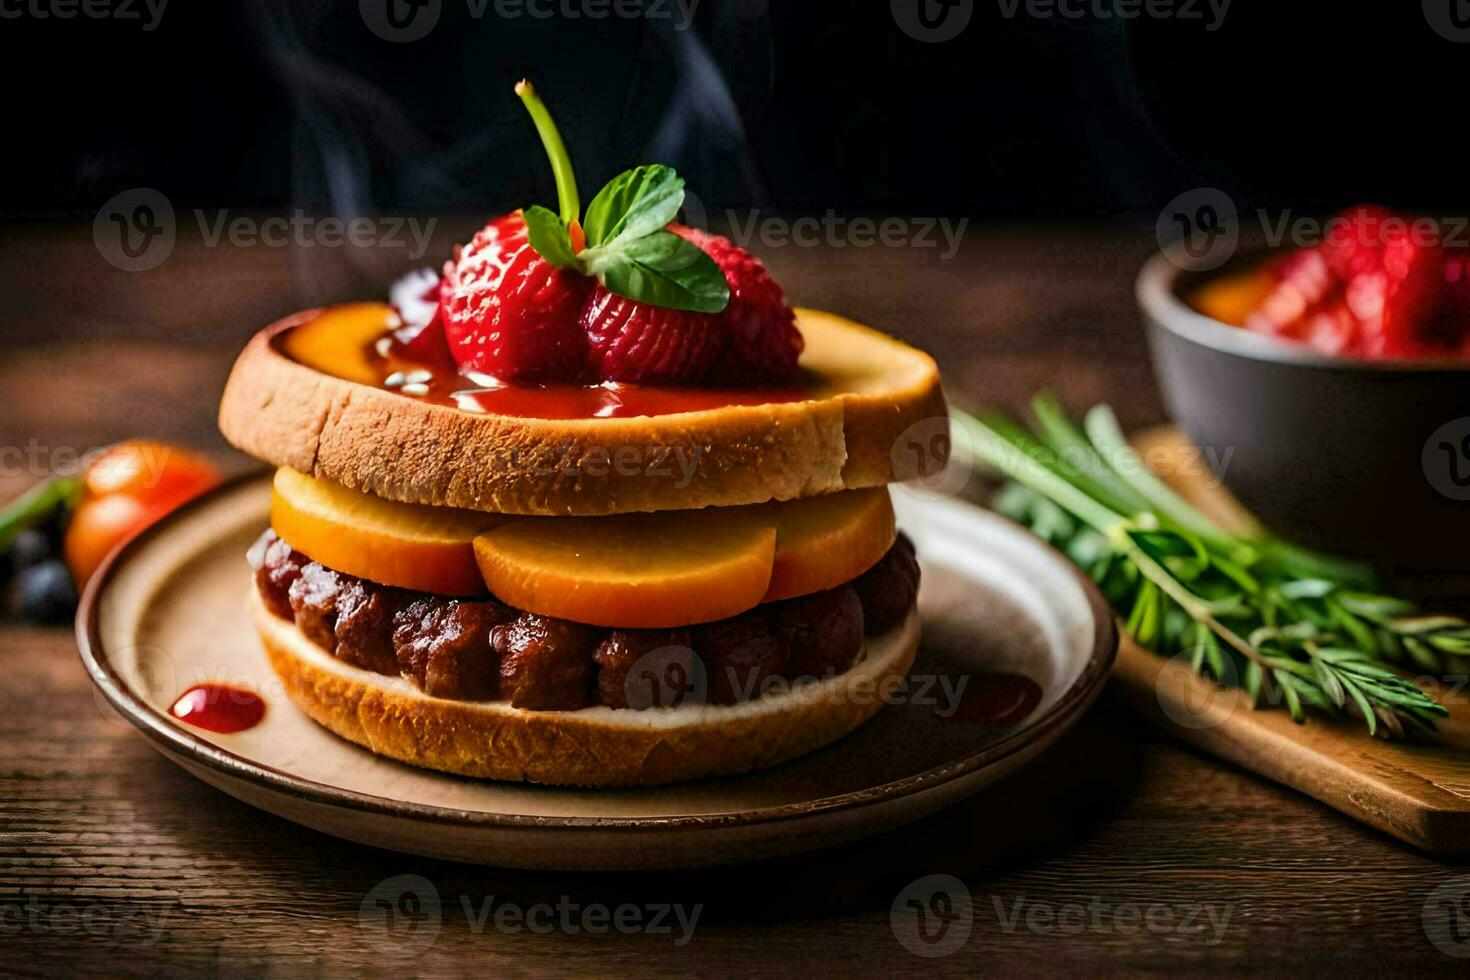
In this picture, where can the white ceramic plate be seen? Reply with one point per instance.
(169, 612)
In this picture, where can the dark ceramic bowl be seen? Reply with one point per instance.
(1363, 458)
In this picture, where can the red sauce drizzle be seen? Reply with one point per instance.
(609, 400)
(998, 700)
(219, 708)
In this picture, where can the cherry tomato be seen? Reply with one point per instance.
(149, 470)
(128, 487)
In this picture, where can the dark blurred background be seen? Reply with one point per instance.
(1043, 138)
(790, 104)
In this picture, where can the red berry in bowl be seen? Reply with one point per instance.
(1379, 285)
(1354, 241)
(1332, 329)
(1451, 324)
(1305, 281)
(1395, 302)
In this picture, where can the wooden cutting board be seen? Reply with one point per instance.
(1418, 793)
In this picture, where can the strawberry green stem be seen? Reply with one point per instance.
(556, 151)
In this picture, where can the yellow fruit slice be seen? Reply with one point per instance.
(412, 546)
(824, 542)
(631, 570)
(337, 342)
(682, 567)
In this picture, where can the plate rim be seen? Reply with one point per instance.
(173, 738)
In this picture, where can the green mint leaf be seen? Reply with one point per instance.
(549, 237)
(628, 248)
(633, 204)
(660, 269)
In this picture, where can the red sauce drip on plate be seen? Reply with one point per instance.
(998, 700)
(219, 708)
(442, 384)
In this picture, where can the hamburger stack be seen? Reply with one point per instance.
(568, 523)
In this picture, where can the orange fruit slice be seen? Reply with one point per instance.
(824, 542)
(668, 569)
(682, 567)
(339, 341)
(412, 546)
(630, 570)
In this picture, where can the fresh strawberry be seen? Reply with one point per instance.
(761, 342)
(510, 313)
(1305, 280)
(609, 294)
(1379, 285)
(753, 340)
(631, 341)
(1451, 325)
(1395, 301)
(1332, 328)
(1355, 240)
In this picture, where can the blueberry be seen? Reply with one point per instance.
(44, 593)
(30, 547)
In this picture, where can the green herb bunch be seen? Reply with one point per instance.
(1290, 626)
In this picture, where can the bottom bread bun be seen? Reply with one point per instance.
(597, 746)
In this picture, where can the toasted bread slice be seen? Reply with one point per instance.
(874, 410)
(598, 746)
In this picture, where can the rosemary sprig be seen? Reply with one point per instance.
(1290, 626)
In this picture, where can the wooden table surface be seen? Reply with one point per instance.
(1118, 850)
